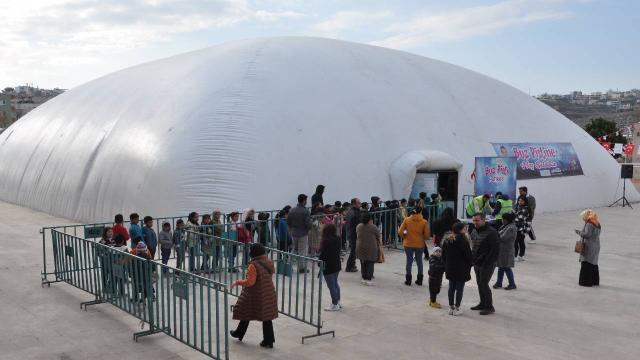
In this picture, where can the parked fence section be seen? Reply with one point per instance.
(190, 308)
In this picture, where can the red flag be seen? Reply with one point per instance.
(628, 149)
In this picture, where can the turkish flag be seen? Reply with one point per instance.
(628, 149)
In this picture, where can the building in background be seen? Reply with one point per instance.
(7, 111)
(17, 102)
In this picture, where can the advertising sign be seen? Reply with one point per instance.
(495, 174)
(540, 160)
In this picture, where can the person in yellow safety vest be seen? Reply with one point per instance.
(479, 204)
(503, 206)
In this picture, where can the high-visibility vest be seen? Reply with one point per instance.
(471, 207)
(506, 206)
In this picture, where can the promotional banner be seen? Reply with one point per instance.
(540, 160)
(495, 174)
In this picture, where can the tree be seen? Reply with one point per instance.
(4, 121)
(600, 127)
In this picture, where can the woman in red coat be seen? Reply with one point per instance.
(258, 299)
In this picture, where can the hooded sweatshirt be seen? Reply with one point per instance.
(417, 231)
(166, 239)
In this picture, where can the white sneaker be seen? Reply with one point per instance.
(451, 310)
(363, 282)
(370, 283)
(457, 312)
(532, 241)
(521, 258)
(333, 308)
(340, 306)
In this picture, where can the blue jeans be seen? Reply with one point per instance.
(411, 252)
(334, 288)
(456, 289)
(509, 272)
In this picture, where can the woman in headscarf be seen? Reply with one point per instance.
(258, 299)
(590, 234)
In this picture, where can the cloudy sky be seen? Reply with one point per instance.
(536, 45)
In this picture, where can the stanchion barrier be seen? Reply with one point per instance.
(190, 308)
(298, 279)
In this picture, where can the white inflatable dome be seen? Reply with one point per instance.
(253, 123)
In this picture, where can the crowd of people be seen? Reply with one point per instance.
(495, 238)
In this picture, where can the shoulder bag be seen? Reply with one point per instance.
(581, 246)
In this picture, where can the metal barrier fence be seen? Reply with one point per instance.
(190, 308)
(264, 231)
(298, 279)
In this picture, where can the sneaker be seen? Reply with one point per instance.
(363, 282)
(340, 306)
(451, 310)
(478, 307)
(510, 287)
(521, 258)
(435, 305)
(457, 312)
(516, 259)
(496, 286)
(369, 283)
(333, 308)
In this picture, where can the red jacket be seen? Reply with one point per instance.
(119, 229)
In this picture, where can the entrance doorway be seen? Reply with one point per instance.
(444, 183)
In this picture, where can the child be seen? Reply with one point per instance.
(436, 270)
(179, 243)
(149, 236)
(141, 277)
(119, 229)
(263, 229)
(135, 230)
(166, 243)
(206, 243)
(120, 244)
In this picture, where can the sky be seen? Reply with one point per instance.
(538, 46)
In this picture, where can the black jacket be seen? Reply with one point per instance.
(316, 198)
(353, 219)
(441, 226)
(436, 266)
(484, 246)
(456, 255)
(330, 254)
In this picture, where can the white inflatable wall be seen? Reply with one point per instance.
(255, 122)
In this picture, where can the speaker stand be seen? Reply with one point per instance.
(623, 199)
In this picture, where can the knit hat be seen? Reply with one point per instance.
(437, 248)
(141, 247)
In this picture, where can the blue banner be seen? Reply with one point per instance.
(540, 160)
(495, 174)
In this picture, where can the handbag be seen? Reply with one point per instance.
(581, 246)
(380, 259)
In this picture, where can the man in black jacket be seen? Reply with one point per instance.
(353, 219)
(484, 248)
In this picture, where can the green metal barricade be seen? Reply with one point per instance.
(299, 293)
(190, 308)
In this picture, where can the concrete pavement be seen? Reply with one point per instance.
(548, 317)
